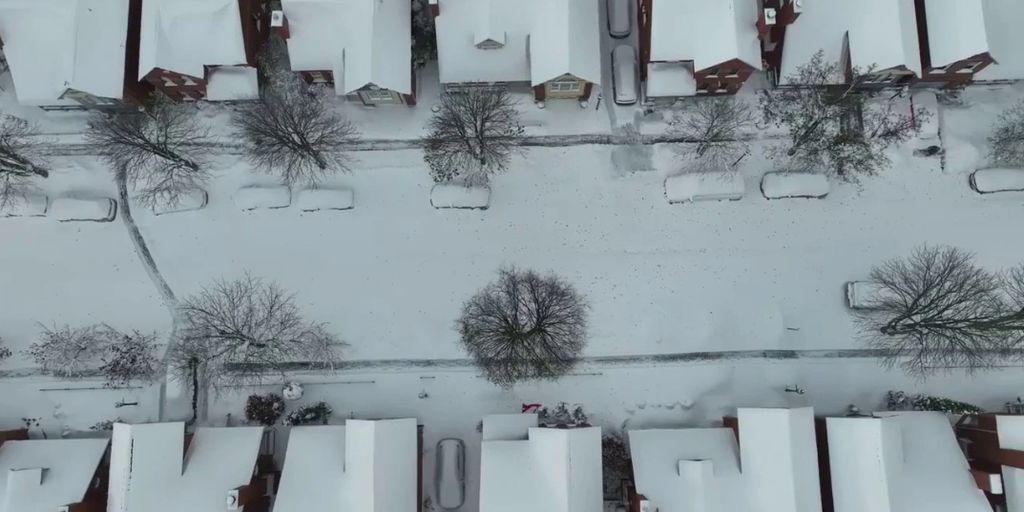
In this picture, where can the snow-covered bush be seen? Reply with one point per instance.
(1007, 137)
(309, 414)
(68, 352)
(128, 358)
(5, 353)
(900, 401)
(616, 464)
(292, 391)
(105, 425)
(264, 409)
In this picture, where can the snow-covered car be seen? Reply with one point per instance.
(459, 196)
(96, 209)
(864, 294)
(195, 199)
(315, 199)
(255, 197)
(31, 206)
(787, 184)
(624, 79)
(988, 181)
(711, 186)
(618, 18)
(450, 476)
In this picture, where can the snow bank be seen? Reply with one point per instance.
(193, 200)
(987, 181)
(930, 126)
(232, 83)
(777, 185)
(459, 196)
(716, 186)
(253, 197)
(31, 206)
(314, 199)
(101, 209)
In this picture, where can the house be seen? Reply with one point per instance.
(994, 444)
(362, 48)
(877, 38)
(696, 47)
(551, 45)
(370, 466)
(201, 49)
(899, 462)
(1005, 41)
(954, 41)
(526, 467)
(48, 475)
(765, 460)
(73, 54)
(157, 467)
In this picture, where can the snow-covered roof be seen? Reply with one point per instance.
(880, 34)
(1006, 40)
(900, 462)
(1011, 436)
(670, 79)
(699, 469)
(361, 41)
(56, 45)
(554, 470)
(44, 475)
(227, 83)
(956, 30)
(185, 35)
(543, 39)
(508, 427)
(708, 33)
(369, 466)
(148, 473)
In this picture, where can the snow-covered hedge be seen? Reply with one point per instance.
(99, 209)
(195, 199)
(31, 206)
(315, 199)
(786, 184)
(713, 186)
(900, 401)
(264, 409)
(459, 196)
(309, 414)
(253, 197)
(987, 181)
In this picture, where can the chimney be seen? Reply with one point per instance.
(241, 496)
(279, 23)
(790, 11)
(764, 22)
(435, 8)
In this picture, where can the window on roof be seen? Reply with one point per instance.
(712, 73)
(490, 44)
(168, 82)
(971, 66)
(939, 70)
(318, 77)
(879, 78)
(188, 81)
(731, 73)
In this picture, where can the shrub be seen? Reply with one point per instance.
(264, 409)
(309, 414)
(616, 463)
(900, 401)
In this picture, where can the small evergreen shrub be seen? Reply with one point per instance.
(900, 401)
(264, 409)
(309, 414)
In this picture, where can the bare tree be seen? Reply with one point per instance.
(234, 332)
(473, 135)
(293, 130)
(129, 358)
(21, 159)
(524, 326)
(717, 126)
(937, 310)
(160, 147)
(1007, 137)
(833, 125)
(67, 352)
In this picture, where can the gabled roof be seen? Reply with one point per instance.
(900, 462)
(1006, 40)
(148, 474)
(56, 45)
(44, 475)
(360, 41)
(705, 469)
(185, 35)
(708, 33)
(956, 30)
(543, 39)
(879, 34)
(1010, 430)
(366, 466)
(553, 470)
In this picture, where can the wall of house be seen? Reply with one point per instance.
(643, 21)
(135, 91)
(255, 27)
(725, 78)
(177, 86)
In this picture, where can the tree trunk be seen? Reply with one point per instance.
(194, 367)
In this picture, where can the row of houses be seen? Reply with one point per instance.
(67, 54)
(783, 460)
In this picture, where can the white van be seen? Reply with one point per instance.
(987, 181)
(68, 209)
(709, 186)
(450, 474)
(789, 184)
(618, 18)
(624, 79)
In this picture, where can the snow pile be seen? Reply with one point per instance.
(716, 186)
(253, 197)
(987, 181)
(64, 209)
(311, 200)
(459, 196)
(670, 79)
(193, 200)
(31, 206)
(777, 185)
(232, 83)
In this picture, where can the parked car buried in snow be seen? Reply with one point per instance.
(618, 18)
(788, 184)
(453, 195)
(96, 209)
(865, 294)
(315, 199)
(624, 79)
(195, 199)
(711, 186)
(450, 474)
(988, 181)
(31, 206)
(257, 197)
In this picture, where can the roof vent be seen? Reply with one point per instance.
(233, 501)
(798, 6)
(769, 16)
(645, 506)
